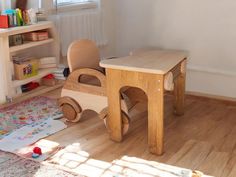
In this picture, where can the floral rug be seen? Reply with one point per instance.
(24, 123)
(19, 141)
(27, 112)
(15, 166)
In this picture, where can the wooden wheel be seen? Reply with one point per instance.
(125, 120)
(125, 123)
(124, 114)
(70, 108)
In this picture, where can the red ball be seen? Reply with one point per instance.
(37, 150)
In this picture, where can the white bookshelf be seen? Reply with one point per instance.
(10, 85)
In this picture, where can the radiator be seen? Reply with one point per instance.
(82, 25)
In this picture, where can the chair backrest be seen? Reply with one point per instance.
(83, 54)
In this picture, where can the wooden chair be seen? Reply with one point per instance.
(83, 54)
(80, 92)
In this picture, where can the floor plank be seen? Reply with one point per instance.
(230, 167)
(215, 163)
(191, 155)
(204, 138)
(233, 172)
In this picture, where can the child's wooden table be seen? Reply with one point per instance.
(146, 71)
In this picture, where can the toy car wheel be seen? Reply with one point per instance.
(70, 108)
(125, 123)
(125, 120)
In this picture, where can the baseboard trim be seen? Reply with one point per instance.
(211, 70)
(215, 97)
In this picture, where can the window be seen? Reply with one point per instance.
(70, 5)
(72, 2)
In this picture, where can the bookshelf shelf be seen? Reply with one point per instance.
(41, 73)
(38, 91)
(26, 29)
(30, 45)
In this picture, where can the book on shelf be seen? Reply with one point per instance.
(61, 73)
(58, 75)
(60, 78)
(48, 60)
(62, 66)
(21, 59)
(45, 66)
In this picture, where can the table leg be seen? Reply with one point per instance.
(179, 94)
(156, 119)
(114, 108)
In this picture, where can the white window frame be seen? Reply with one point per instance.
(75, 6)
(5, 4)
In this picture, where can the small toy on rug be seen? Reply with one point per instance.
(37, 152)
(35, 156)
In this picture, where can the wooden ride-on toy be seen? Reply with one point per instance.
(85, 88)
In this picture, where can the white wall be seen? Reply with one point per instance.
(133, 19)
(108, 14)
(207, 29)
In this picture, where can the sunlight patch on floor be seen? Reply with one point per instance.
(73, 159)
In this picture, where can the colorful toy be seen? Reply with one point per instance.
(35, 156)
(85, 88)
(37, 152)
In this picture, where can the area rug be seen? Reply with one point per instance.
(23, 124)
(27, 112)
(29, 134)
(15, 166)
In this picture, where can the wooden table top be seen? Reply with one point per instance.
(155, 61)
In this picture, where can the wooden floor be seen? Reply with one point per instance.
(203, 139)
